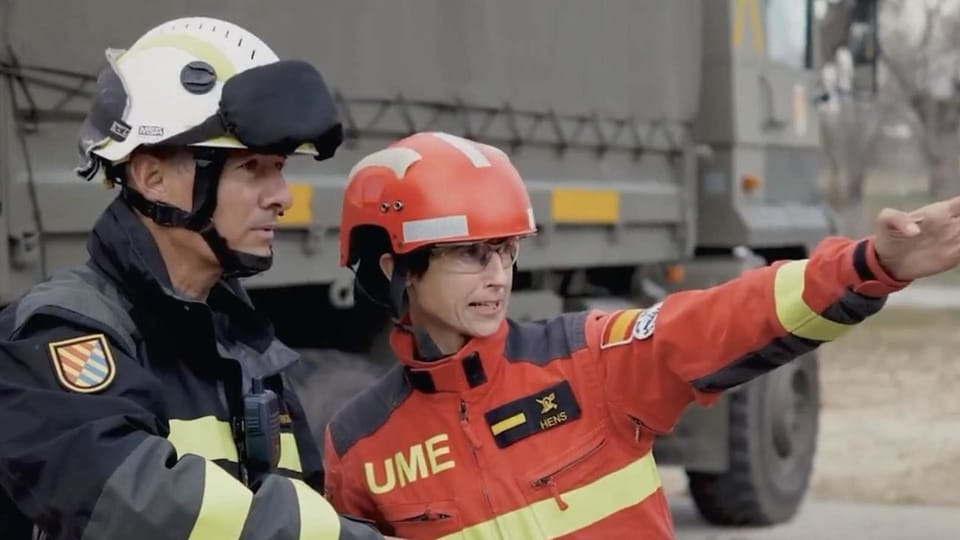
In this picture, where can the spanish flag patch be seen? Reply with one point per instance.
(618, 329)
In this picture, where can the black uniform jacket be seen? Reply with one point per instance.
(120, 408)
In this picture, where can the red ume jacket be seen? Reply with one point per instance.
(545, 429)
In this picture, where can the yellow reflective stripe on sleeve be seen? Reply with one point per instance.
(206, 437)
(211, 438)
(224, 507)
(318, 520)
(794, 314)
(289, 453)
(588, 504)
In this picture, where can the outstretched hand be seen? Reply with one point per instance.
(921, 243)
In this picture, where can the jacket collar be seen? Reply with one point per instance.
(475, 364)
(122, 248)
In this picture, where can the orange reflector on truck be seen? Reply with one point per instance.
(585, 206)
(301, 211)
(675, 274)
(750, 182)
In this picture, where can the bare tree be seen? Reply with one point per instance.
(850, 126)
(918, 57)
(850, 130)
(923, 64)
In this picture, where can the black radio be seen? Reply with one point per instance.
(261, 430)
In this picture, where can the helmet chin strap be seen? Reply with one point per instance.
(209, 166)
(426, 347)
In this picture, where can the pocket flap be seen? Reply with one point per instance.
(422, 519)
(419, 511)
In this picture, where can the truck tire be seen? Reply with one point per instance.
(772, 441)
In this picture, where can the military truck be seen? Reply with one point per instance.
(668, 144)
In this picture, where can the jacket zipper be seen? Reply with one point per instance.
(465, 422)
(639, 427)
(547, 480)
(474, 446)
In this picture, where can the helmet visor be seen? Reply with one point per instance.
(274, 109)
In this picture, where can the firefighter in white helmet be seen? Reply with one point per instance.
(141, 394)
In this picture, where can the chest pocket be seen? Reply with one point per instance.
(562, 490)
(423, 520)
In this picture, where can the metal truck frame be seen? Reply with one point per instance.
(653, 200)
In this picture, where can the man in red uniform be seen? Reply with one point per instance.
(491, 428)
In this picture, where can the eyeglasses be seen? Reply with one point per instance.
(473, 257)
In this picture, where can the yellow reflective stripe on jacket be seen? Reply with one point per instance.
(318, 519)
(588, 504)
(211, 438)
(289, 453)
(794, 314)
(224, 507)
(205, 436)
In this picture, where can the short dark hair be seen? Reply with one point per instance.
(371, 243)
(179, 154)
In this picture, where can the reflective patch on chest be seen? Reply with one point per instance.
(532, 414)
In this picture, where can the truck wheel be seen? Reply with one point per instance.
(773, 431)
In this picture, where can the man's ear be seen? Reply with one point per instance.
(145, 173)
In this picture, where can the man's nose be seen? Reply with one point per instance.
(279, 194)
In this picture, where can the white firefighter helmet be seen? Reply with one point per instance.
(207, 84)
(169, 81)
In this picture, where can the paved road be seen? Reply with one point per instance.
(822, 520)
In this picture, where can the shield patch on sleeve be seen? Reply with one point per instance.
(84, 364)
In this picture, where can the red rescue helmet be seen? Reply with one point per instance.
(432, 188)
